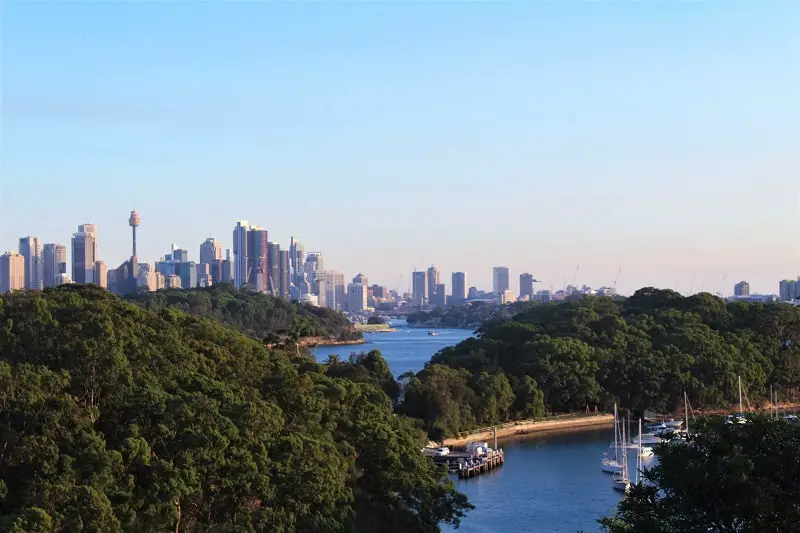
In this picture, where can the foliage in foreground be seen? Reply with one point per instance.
(255, 314)
(642, 353)
(114, 418)
(736, 478)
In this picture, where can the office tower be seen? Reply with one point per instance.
(187, 271)
(256, 260)
(499, 280)
(433, 281)
(63, 279)
(204, 274)
(31, 250)
(313, 264)
(419, 288)
(274, 263)
(226, 271)
(472, 293)
(459, 287)
(789, 290)
(360, 278)
(240, 253)
(285, 273)
(172, 282)
(440, 297)
(210, 252)
(296, 258)
(331, 289)
(179, 255)
(84, 254)
(741, 289)
(526, 286)
(12, 272)
(133, 222)
(101, 274)
(54, 262)
(379, 291)
(356, 297)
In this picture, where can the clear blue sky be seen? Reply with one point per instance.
(660, 136)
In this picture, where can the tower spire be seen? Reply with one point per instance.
(133, 221)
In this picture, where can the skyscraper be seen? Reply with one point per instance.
(296, 258)
(84, 254)
(257, 259)
(240, 253)
(440, 298)
(331, 289)
(499, 280)
(360, 278)
(459, 287)
(741, 289)
(12, 272)
(313, 264)
(125, 278)
(419, 288)
(31, 250)
(54, 263)
(285, 273)
(433, 281)
(210, 252)
(274, 262)
(526, 286)
(187, 271)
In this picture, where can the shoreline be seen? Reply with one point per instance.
(313, 342)
(527, 428)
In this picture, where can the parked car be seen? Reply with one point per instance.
(442, 451)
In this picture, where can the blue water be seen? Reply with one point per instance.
(549, 483)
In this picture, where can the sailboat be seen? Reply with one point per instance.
(738, 418)
(621, 481)
(613, 466)
(639, 456)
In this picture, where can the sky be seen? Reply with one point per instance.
(571, 140)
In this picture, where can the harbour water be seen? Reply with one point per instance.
(550, 483)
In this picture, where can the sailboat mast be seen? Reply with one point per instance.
(639, 453)
(686, 409)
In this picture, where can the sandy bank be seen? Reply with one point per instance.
(311, 342)
(525, 427)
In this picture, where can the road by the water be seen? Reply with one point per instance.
(549, 484)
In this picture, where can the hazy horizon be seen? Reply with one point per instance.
(659, 137)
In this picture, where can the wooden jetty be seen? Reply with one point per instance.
(481, 465)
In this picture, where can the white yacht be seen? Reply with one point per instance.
(621, 481)
(610, 464)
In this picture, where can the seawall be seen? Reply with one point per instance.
(526, 427)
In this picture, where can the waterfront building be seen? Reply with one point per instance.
(419, 288)
(84, 254)
(12, 272)
(331, 289)
(499, 280)
(356, 297)
(526, 282)
(54, 263)
(31, 250)
(741, 289)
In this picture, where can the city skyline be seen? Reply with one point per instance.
(549, 138)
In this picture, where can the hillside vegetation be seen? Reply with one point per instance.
(115, 418)
(642, 352)
(255, 314)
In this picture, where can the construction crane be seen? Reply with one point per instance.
(575, 274)
(397, 287)
(616, 278)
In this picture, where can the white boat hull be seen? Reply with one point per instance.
(612, 468)
(622, 485)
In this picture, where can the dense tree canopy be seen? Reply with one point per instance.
(255, 314)
(731, 478)
(642, 352)
(470, 315)
(115, 418)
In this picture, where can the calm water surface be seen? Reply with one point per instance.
(550, 483)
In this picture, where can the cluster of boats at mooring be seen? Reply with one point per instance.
(660, 431)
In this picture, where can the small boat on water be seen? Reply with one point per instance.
(645, 451)
(432, 332)
(620, 481)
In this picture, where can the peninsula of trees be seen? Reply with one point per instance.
(642, 353)
(118, 418)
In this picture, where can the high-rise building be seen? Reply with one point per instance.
(356, 297)
(360, 278)
(274, 262)
(433, 281)
(84, 254)
(101, 274)
(313, 264)
(296, 258)
(210, 252)
(741, 289)
(285, 273)
(54, 263)
(256, 259)
(499, 280)
(240, 253)
(459, 287)
(331, 289)
(125, 278)
(179, 255)
(187, 271)
(12, 272)
(440, 296)
(526, 286)
(419, 288)
(789, 290)
(31, 250)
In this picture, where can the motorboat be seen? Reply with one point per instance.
(646, 451)
(432, 333)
